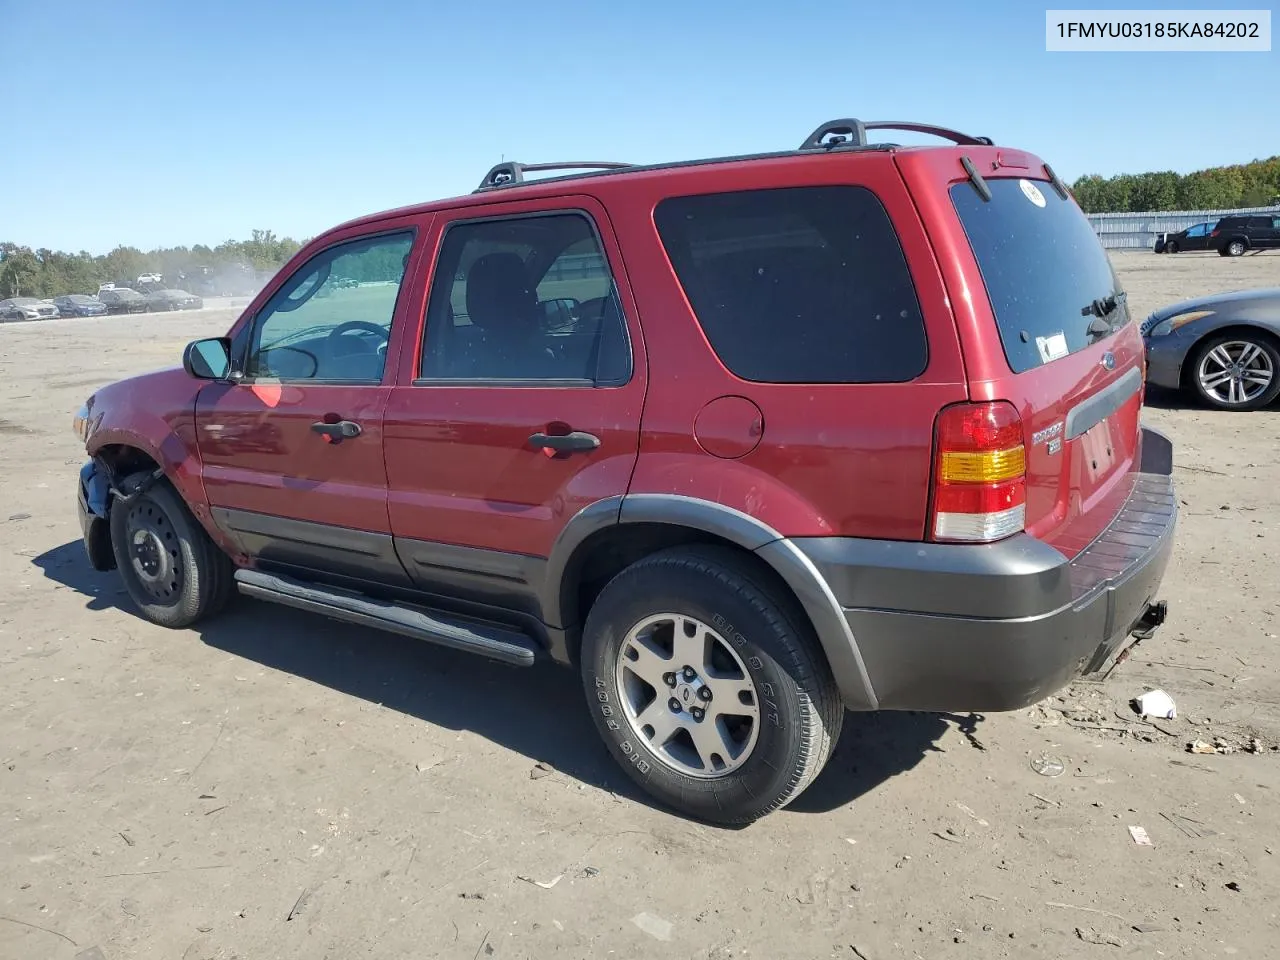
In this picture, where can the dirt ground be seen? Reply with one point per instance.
(278, 785)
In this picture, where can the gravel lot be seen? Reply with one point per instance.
(277, 785)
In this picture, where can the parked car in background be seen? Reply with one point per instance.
(1232, 236)
(806, 477)
(173, 300)
(123, 300)
(79, 305)
(1225, 348)
(149, 278)
(27, 308)
(1195, 237)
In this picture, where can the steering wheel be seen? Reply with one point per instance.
(363, 326)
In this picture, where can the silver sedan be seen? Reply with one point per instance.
(1225, 348)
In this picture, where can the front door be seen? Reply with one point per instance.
(292, 452)
(521, 406)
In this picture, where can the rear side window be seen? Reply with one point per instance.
(526, 299)
(1043, 267)
(798, 284)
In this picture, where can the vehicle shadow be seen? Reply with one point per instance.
(1162, 398)
(539, 712)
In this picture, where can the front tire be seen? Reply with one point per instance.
(1170, 248)
(708, 686)
(172, 570)
(1236, 371)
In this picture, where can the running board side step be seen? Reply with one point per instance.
(502, 643)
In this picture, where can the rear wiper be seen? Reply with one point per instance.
(1101, 310)
(1105, 307)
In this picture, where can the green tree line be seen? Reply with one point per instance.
(1254, 184)
(234, 266)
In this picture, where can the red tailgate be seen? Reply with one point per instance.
(1043, 325)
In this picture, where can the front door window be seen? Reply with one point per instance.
(331, 321)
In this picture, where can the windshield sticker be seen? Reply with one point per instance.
(1052, 347)
(1032, 192)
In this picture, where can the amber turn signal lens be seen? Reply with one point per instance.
(987, 466)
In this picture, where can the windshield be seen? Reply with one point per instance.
(1051, 285)
(24, 301)
(80, 298)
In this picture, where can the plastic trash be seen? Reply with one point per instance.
(1048, 766)
(656, 927)
(1156, 703)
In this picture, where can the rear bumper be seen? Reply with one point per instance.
(998, 627)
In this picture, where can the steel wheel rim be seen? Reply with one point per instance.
(1236, 372)
(686, 693)
(153, 552)
(1236, 248)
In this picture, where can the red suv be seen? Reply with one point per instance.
(751, 441)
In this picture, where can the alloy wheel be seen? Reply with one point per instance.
(1235, 372)
(687, 694)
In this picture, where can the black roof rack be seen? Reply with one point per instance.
(512, 172)
(844, 134)
(848, 132)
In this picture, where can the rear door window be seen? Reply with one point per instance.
(1043, 267)
(798, 284)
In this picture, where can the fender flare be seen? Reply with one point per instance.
(782, 556)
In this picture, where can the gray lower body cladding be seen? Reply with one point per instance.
(1000, 626)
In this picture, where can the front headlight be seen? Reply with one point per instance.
(1170, 324)
(80, 423)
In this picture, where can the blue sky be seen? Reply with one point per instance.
(166, 123)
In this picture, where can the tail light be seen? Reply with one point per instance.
(1213, 233)
(979, 473)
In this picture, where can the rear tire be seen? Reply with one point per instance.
(1236, 248)
(771, 711)
(172, 570)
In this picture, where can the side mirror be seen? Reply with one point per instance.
(208, 359)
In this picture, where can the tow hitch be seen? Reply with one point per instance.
(1145, 626)
(1151, 618)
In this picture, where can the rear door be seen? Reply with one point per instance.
(1045, 325)
(292, 453)
(1272, 235)
(520, 403)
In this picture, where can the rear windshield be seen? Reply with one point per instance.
(1043, 267)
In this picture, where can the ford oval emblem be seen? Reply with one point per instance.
(1109, 360)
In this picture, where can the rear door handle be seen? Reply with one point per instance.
(576, 442)
(338, 431)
